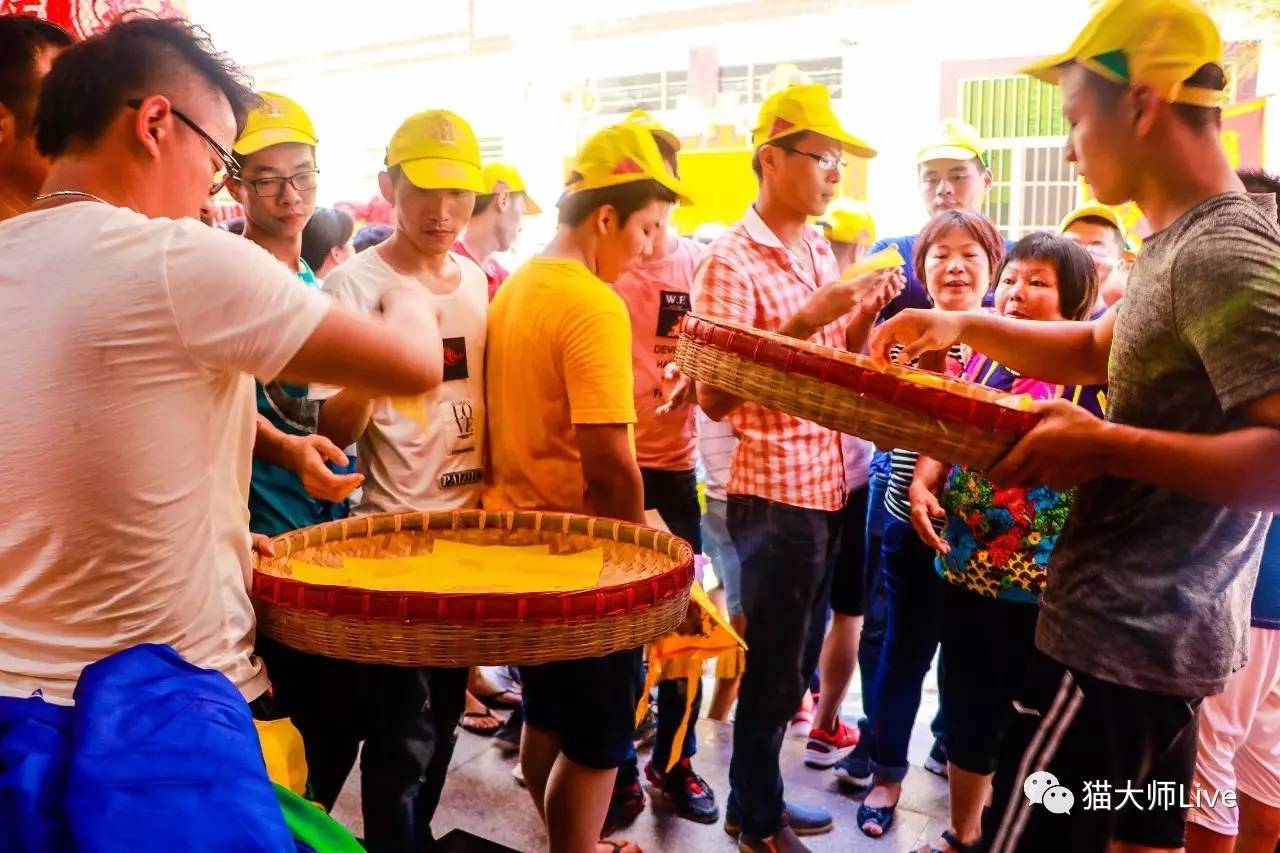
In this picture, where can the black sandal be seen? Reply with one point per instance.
(952, 842)
(880, 816)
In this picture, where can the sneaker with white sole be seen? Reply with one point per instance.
(825, 749)
(936, 763)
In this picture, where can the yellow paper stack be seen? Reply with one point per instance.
(881, 260)
(457, 567)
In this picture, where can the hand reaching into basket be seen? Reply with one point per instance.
(683, 393)
(917, 331)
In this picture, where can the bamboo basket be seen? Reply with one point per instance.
(642, 593)
(898, 407)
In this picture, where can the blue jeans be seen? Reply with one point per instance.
(913, 622)
(786, 582)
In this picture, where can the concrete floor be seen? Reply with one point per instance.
(482, 798)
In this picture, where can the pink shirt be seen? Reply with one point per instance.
(494, 272)
(657, 294)
(750, 278)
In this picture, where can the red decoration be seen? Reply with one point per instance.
(83, 18)
(627, 167)
(780, 125)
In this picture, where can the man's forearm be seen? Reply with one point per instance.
(345, 416)
(1065, 353)
(271, 445)
(859, 330)
(1234, 469)
(716, 404)
(619, 496)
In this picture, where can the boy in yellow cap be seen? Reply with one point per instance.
(294, 484)
(424, 453)
(1146, 609)
(787, 482)
(849, 229)
(560, 416)
(495, 223)
(1098, 228)
(656, 290)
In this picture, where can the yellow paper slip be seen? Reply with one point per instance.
(413, 408)
(462, 568)
(881, 260)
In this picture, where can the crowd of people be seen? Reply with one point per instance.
(1103, 603)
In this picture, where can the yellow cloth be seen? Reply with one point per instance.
(460, 567)
(558, 354)
(804, 107)
(705, 634)
(276, 120)
(283, 754)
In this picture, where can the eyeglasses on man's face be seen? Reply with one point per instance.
(230, 167)
(302, 182)
(826, 162)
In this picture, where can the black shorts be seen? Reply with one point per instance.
(986, 643)
(589, 704)
(1136, 746)
(849, 557)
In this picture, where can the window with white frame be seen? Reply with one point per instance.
(1020, 119)
(656, 90)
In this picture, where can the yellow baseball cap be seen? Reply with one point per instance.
(955, 141)
(437, 150)
(503, 176)
(1096, 210)
(274, 121)
(804, 107)
(619, 155)
(848, 220)
(1157, 42)
(641, 118)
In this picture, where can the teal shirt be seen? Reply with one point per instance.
(277, 501)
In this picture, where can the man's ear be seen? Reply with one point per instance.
(502, 201)
(1145, 107)
(8, 125)
(606, 217)
(387, 187)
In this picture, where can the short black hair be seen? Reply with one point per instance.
(1106, 223)
(1208, 76)
(325, 230)
(483, 201)
(626, 198)
(1077, 276)
(755, 157)
(22, 39)
(1260, 182)
(92, 81)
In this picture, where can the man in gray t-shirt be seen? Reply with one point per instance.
(1146, 607)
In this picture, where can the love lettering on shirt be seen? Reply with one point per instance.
(672, 307)
(455, 359)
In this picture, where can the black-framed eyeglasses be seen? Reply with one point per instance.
(826, 162)
(230, 166)
(272, 187)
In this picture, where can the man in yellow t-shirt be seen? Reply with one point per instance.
(561, 414)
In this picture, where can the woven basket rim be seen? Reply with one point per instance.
(410, 607)
(962, 402)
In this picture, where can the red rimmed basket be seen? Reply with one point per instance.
(959, 422)
(642, 594)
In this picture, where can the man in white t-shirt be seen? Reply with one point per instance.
(419, 453)
(129, 337)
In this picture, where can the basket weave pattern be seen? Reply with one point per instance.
(960, 423)
(643, 592)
